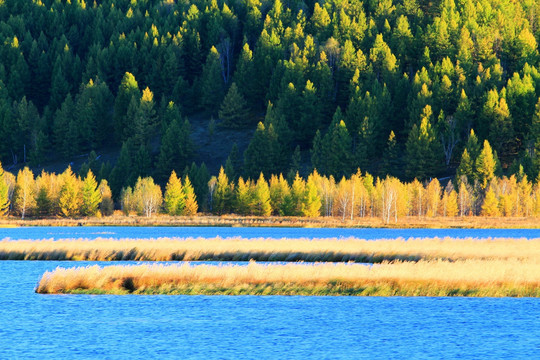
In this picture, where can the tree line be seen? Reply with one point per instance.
(358, 196)
(391, 86)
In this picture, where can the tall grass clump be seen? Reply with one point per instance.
(493, 278)
(267, 249)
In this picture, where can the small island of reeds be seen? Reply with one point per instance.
(478, 278)
(269, 249)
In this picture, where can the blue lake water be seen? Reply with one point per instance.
(34, 326)
(154, 232)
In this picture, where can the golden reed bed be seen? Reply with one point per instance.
(493, 278)
(266, 249)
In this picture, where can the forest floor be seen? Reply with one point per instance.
(472, 222)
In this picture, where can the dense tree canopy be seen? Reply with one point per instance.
(77, 76)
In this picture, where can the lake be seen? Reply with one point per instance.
(246, 232)
(34, 326)
(251, 327)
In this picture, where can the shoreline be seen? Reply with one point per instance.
(410, 222)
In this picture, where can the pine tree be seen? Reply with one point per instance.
(466, 167)
(212, 85)
(70, 199)
(298, 191)
(423, 152)
(243, 197)
(311, 203)
(337, 147)
(485, 165)
(391, 159)
(123, 171)
(174, 200)
(191, 206)
(490, 207)
(261, 154)
(262, 197)
(128, 89)
(144, 120)
(222, 194)
(234, 111)
(91, 195)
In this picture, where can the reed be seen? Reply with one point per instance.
(489, 278)
(268, 249)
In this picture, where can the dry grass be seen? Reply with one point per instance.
(494, 278)
(266, 249)
(275, 221)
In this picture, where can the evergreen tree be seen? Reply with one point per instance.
(262, 197)
(122, 173)
(128, 90)
(424, 157)
(212, 85)
(191, 206)
(485, 165)
(391, 159)
(490, 207)
(311, 203)
(243, 197)
(222, 194)
(70, 199)
(234, 111)
(466, 167)
(174, 200)
(91, 195)
(262, 154)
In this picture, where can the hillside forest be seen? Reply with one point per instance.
(369, 92)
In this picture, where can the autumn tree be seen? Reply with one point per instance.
(174, 199)
(91, 195)
(24, 196)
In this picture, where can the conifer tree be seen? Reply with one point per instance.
(70, 199)
(191, 206)
(391, 161)
(261, 197)
(311, 203)
(261, 154)
(174, 200)
(234, 111)
(424, 156)
(298, 190)
(490, 207)
(91, 195)
(128, 89)
(243, 197)
(485, 165)
(122, 173)
(212, 86)
(222, 194)
(466, 167)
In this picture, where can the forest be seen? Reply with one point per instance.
(410, 90)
